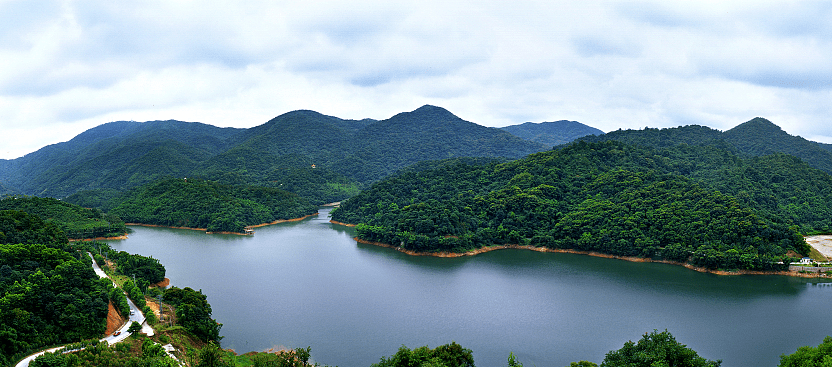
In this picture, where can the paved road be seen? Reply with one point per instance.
(135, 315)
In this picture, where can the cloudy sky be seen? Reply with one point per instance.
(67, 66)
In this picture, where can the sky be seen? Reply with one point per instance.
(68, 66)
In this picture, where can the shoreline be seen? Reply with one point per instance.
(283, 221)
(122, 237)
(235, 233)
(591, 253)
(342, 224)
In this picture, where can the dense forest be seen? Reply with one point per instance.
(49, 294)
(697, 204)
(75, 221)
(321, 158)
(196, 203)
(756, 137)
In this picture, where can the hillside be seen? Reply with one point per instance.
(116, 155)
(322, 158)
(755, 137)
(49, 294)
(702, 205)
(76, 222)
(196, 203)
(552, 133)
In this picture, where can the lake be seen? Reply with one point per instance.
(308, 283)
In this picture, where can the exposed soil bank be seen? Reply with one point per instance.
(591, 253)
(342, 224)
(822, 243)
(122, 237)
(114, 320)
(283, 221)
(161, 226)
(237, 233)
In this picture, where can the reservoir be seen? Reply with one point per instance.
(308, 283)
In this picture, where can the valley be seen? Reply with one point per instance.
(737, 202)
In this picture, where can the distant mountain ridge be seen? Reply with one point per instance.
(756, 137)
(326, 158)
(552, 133)
(296, 149)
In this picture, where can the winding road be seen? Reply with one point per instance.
(135, 315)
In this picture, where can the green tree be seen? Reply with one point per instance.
(657, 349)
(449, 355)
(211, 356)
(512, 362)
(809, 357)
(134, 328)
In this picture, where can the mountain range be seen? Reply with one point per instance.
(299, 148)
(326, 158)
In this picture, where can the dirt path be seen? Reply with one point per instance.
(823, 243)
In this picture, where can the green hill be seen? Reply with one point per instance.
(198, 203)
(107, 156)
(552, 133)
(76, 222)
(702, 205)
(755, 137)
(319, 157)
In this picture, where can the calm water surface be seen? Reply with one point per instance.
(309, 284)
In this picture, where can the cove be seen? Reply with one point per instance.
(308, 283)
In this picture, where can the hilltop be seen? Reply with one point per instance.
(552, 133)
(756, 137)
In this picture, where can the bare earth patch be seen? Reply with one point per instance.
(114, 320)
(823, 243)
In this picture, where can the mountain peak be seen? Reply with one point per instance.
(757, 123)
(425, 115)
(552, 133)
(433, 111)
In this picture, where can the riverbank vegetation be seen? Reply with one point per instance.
(195, 203)
(697, 204)
(808, 356)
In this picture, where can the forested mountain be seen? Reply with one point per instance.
(755, 137)
(76, 222)
(552, 133)
(322, 158)
(115, 155)
(697, 204)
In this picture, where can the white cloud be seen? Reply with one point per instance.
(68, 66)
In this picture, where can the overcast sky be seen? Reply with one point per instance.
(68, 66)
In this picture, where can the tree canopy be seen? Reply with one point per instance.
(702, 205)
(75, 221)
(656, 349)
(199, 203)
